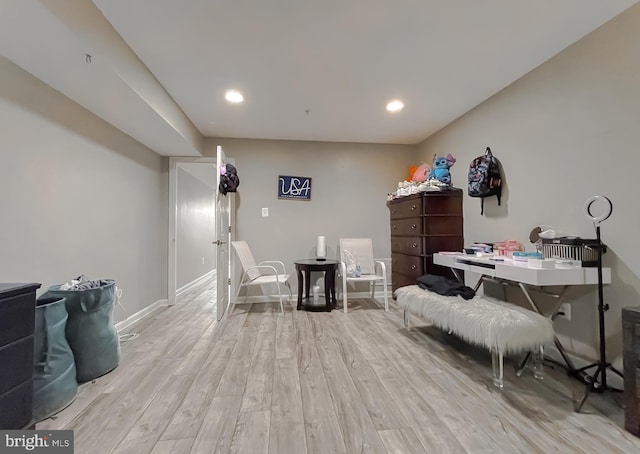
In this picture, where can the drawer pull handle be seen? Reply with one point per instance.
(395, 226)
(414, 226)
(413, 267)
(413, 207)
(415, 244)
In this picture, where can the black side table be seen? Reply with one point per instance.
(304, 268)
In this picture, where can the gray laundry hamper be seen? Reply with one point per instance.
(54, 373)
(90, 330)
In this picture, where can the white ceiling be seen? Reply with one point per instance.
(159, 69)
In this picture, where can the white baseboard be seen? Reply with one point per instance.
(205, 277)
(135, 318)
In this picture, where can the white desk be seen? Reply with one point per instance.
(521, 274)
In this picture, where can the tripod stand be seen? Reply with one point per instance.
(598, 381)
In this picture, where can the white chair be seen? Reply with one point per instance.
(264, 273)
(360, 251)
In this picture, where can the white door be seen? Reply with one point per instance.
(223, 259)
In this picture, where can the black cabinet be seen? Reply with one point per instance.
(17, 321)
(631, 358)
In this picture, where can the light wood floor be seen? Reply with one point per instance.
(324, 383)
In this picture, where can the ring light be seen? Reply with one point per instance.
(597, 382)
(602, 217)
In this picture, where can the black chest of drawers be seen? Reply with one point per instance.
(631, 359)
(422, 224)
(17, 322)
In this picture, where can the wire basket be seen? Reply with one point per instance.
(576, 249)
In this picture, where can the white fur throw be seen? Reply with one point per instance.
(481, 320)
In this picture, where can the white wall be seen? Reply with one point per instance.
(350, 183)
(565, 132)
(77, 196)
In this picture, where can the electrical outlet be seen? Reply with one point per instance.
(565, 311)
(203, 260)
(265, 212)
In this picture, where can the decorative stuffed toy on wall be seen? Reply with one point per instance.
(441, 165)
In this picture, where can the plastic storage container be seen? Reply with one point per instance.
(526, 256)
(507, 248)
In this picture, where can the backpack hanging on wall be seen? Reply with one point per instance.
(484, 178)
(229, 180)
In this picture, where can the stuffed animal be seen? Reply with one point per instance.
(412, 170)
(421, 172)
(441, 165)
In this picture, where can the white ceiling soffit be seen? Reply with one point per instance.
(320, 70)
(50, 39)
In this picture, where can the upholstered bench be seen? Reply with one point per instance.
(499, 326)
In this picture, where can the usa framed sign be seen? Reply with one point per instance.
(290, 187)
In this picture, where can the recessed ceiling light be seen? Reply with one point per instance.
(395, 105)
(233, 96)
